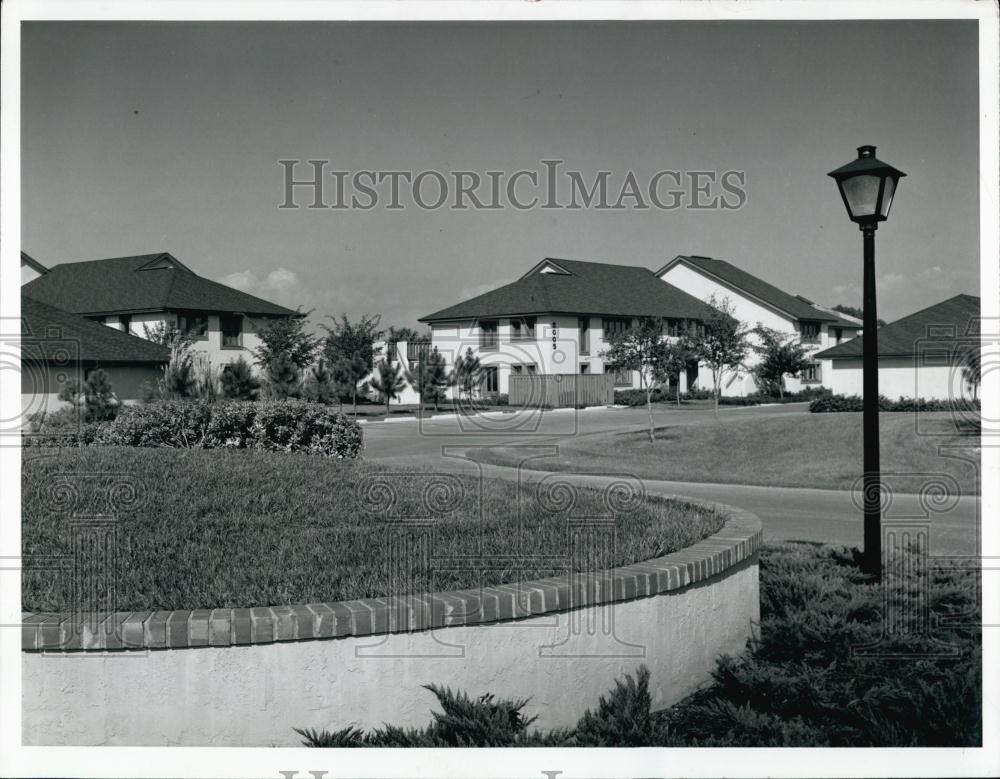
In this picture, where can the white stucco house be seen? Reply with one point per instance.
(58, 346)
(126, 293)
(921, 355)
(756, 301)
(554, 319)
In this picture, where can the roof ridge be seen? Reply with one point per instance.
(150, 255)
(928, 308)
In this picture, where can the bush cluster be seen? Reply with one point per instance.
(803, 683)
(837, 403)
(276, 426)
(637, 397)
(622, 718)
(66, 427)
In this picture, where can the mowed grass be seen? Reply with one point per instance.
(227, 529)
(790, 450)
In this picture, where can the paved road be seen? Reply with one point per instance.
(829, 516)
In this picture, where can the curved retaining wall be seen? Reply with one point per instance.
(246, 677)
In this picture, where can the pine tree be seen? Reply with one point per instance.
(282, 378)
(428, 377)
(388, 381)
(238, 381)
(319, 386)
(101, 401)
(467, 373)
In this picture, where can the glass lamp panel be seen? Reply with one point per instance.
(861, 193)
(890, 190)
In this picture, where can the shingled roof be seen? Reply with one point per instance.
(728, 273)
(52, 335)
(557, 286)
(148, 282)
(951, 319)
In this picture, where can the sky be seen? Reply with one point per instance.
(149, 137)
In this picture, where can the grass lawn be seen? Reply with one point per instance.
(227, 529)
(793, 450)
(803, 683)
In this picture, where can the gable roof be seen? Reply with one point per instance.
(948, 320)
(31, 262)
(148, 282)
(792, 305)
(556, 286)
(53, 335)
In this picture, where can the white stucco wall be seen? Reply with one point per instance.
(254, 695)
(752, 313)
(555, 348)
(212, 345)
(897, 377)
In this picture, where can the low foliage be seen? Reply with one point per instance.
(288, 426)
(803, 683)
(238, 381)
(65, 427)
(837, 403)
(633, 397)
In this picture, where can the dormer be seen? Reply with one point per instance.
(165, 261)
(548, 266)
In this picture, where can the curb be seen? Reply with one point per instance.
(737, 541)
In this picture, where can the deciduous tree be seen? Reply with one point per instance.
(721, 342)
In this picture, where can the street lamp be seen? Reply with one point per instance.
(867, 186)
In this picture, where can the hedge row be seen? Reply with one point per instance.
(637, 397)
(276, 426)
(837, 403)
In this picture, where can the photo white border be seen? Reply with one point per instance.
(16, 760)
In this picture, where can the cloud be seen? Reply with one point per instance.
(280, 285)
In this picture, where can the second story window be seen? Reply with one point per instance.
(125, 320)
(194, 325)
(522, 328)
(488, 334)
(810, 332)
(584, 324)
(232, 331)
(615, 324)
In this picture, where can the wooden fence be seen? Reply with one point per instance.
(562, 390)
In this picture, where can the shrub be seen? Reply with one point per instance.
(802, 683)
(238, 381)
(65, 427)
(622, 719)
(282, 426)
(840, 403)
(174, 423)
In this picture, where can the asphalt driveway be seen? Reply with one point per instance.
(828, 516)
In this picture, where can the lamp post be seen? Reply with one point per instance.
(867, 186)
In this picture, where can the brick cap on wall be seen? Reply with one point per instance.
(738, 540)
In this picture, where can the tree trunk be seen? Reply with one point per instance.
(386, 406)
(678, 392)
(354, 398)
(649, 408)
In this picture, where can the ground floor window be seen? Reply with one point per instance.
(491, 379)
(811, 373)
(584, 367)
